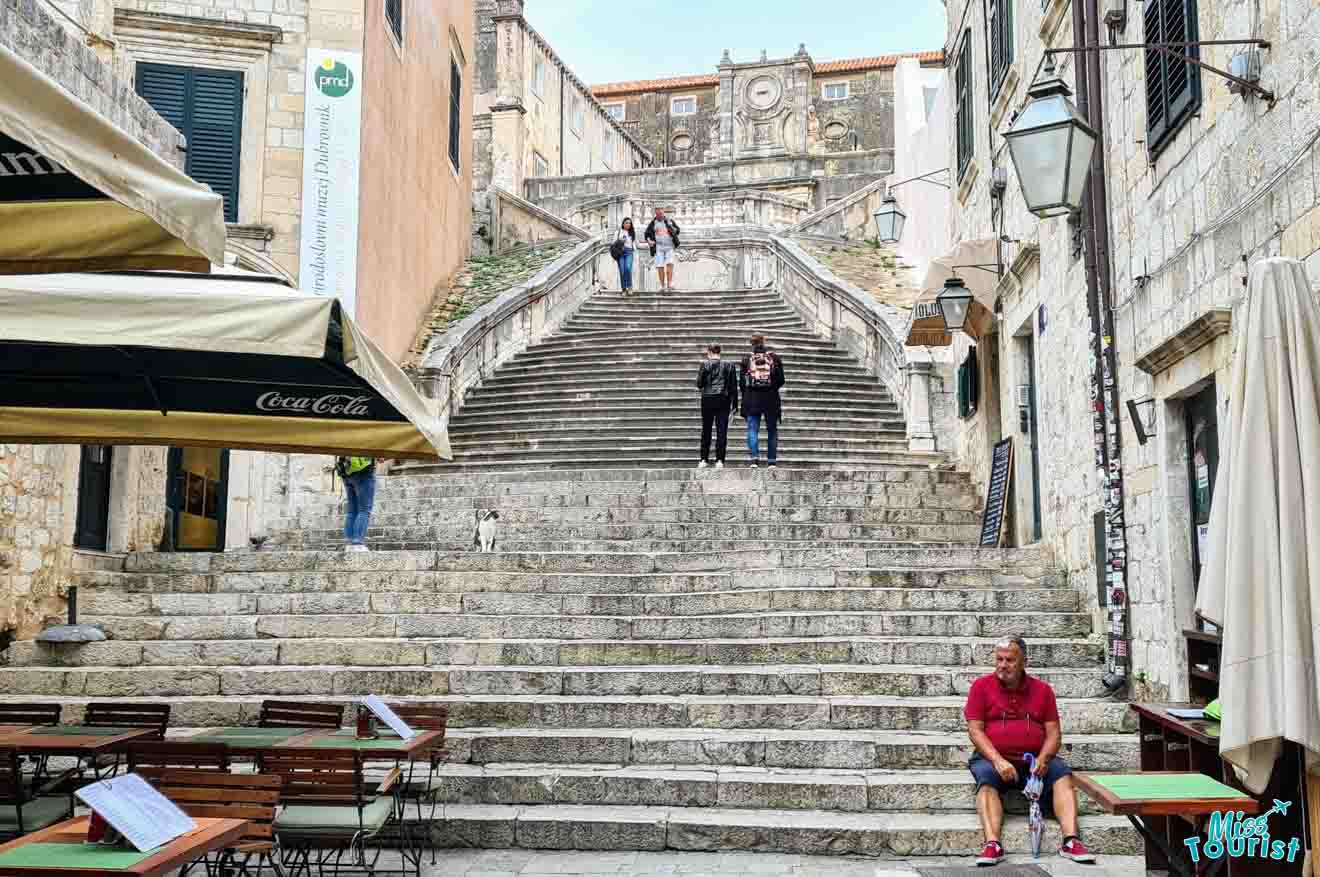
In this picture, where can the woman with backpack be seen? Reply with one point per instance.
(759, 379)
(717, 381)
(623, 249)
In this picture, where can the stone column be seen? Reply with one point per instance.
(920, 425)
(507, 130)
(803, 97)
(726, 107)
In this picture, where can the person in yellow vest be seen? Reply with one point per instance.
(359, 476)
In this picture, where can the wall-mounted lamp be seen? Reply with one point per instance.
(1142, 412)
(889, 221)
(954, 301)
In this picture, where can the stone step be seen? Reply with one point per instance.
(891, 790)
(808, 832)
(333, 541)
(843, 680)
(326, 581)
(625, 393)
(112, 602)
(395, 651)
(1031, 561)
(594, 420)
(471, 462)
(874, 414)
(399, 512)
(771, 325)
(552, 354)
(626, 443)
(732, 626)
(734, 488)
(644, 378)
(721, 315)
(779, 338)
(707, 713)
(671, 478)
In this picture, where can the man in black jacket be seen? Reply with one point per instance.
(760, 377)
(662, 235)
(717, 381)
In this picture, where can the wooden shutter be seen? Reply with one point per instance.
(1173, 87)
(455, 112)
(965, 120)
(1001, 42)
(207, 108)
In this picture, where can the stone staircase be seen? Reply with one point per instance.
(617, 387)
(654, 657)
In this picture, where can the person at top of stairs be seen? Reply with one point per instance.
(662, 234)
(717, 381)
(1011, 715)
(624, 249)
(359, 477)
(759, 378)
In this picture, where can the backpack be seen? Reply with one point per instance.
(616, 249)
(761, 370)
(714, 383)
(347, 466)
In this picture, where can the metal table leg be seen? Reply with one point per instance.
(1179, 863)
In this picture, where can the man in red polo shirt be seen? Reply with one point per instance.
(1010, 714)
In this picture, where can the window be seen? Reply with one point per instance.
(394, 19)
(579, 113)
(969, 385)
(1001, 42)
(611, 147)
(834, 90)
(1173, 87)
(207, 108)
(538, 76)
(963, 92)
(455, 111)
(540, 167)
(683, 106)
(618, 112)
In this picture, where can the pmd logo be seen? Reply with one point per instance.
(333, 78)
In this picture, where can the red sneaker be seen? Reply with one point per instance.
(991, 854)
(1077, 851)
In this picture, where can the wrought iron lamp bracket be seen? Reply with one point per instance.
(1179, 51)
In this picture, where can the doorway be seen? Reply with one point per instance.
(92, 528)
(198, 486)
(1027, 425)
(1202, 466)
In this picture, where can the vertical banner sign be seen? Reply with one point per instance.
(332, 149)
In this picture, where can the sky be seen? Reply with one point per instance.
(611, 41)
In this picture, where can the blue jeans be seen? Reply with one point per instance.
(985, 775)
(625, 270)
(360, 489)
(754, 436)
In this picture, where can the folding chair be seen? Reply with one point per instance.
(330, 811)
(425, 717)
(300, 714)
(215, 794)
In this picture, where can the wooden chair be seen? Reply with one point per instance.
(425, 717)
(155, 716)
(178, 754)
(24, 809)
(209, 793)
(300, 714)
(330, 810)
(46, 714)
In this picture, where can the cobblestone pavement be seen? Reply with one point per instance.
(541, 863)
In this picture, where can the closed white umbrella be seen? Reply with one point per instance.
(1261, 579)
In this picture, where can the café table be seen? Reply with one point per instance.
(251, 742)
(80, 740)
(1144, 794)
(62, 850)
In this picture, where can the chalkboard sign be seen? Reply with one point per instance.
(996, 493)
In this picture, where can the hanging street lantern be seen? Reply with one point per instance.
(889, 221)
(1051, 146)
(953, 302)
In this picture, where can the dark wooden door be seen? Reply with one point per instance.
(93, 524)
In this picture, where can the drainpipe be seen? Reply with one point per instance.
(562, 76)
(1104, 366)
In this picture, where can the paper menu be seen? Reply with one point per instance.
(389, 717)
(137, 811)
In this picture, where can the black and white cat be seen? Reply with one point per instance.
(483, 535)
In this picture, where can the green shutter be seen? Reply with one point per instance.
(1173, 87)
(207, 108)
(965, 118)
(455, 112)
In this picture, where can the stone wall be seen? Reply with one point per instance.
(1237, 182)
(516, 221)
(695, 210)
(850, 219)
(672, 139)
(862, 120)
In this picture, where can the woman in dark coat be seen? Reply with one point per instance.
(760, 376)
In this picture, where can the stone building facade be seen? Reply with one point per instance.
(1199, 187)
(533, 116)
(763, 107)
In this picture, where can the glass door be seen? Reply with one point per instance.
(198, 488)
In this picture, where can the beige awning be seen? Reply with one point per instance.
(200, 360)
(926, 324)
(1261, 578)
(79, 194)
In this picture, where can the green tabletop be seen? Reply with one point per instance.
(72, 855)
(225, 735)
(350, 741)
(1164, 786)
(80, 731)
